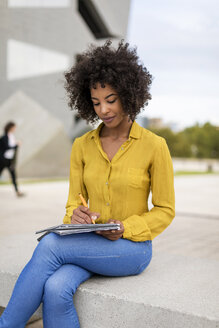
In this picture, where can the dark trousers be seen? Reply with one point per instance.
(10, 165)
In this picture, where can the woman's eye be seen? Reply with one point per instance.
(111, 102)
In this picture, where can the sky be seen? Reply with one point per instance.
(178, 42)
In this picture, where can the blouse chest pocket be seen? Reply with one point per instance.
(136, 177)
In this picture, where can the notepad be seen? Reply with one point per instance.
(69, 229)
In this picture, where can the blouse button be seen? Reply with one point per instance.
(107, 204)
(122, 148)
(107, 183)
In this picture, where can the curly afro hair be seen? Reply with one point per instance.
(120, 68)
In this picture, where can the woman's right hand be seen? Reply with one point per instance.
(82, 215)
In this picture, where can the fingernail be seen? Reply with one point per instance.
(93, 217)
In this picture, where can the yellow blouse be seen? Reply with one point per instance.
(119, 189)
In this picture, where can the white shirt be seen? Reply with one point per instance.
(9, 154)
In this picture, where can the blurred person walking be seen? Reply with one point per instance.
(8, 152)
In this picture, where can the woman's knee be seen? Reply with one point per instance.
(48, 245)
(147, 261)
(49, 241)
(57, 291)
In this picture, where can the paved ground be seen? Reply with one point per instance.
(193, 233)
(36, 324)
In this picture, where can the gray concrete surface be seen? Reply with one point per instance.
(180, 287)
(44, 151)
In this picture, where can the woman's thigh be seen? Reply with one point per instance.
(100, 255)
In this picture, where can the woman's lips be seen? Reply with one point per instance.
(108, 120)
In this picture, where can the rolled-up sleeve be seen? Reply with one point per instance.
(150, 224)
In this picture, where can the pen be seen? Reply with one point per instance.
(85, 204)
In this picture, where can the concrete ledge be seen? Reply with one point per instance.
(174, 291)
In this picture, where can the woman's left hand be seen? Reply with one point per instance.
(112, 234)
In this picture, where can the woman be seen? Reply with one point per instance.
(8, 150)
(114, 167)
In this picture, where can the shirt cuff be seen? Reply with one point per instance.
(127, 230)
(66, 219)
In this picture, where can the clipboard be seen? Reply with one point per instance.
(69, 229)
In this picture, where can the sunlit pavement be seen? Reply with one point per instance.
(36, 324)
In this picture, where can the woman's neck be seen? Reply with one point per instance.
(121, 131)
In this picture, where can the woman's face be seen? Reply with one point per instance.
(107, 105)
(12, 129)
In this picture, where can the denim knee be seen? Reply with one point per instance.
(147, 261)
(57, 292)
(47, 245)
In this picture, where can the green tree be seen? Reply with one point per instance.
(199, 141)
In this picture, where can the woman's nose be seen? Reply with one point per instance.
(104, 110)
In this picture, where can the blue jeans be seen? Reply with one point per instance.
(59, 265)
